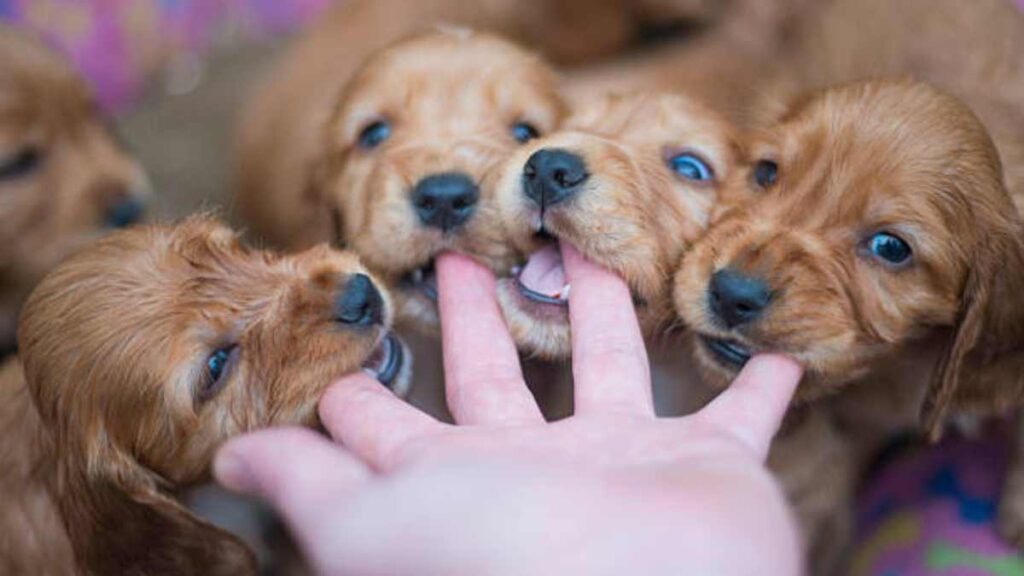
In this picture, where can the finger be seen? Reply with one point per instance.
(371, 421)
(609, 360)
(483, 379)
(753, 406)
(292, 468)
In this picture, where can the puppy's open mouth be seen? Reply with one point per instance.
(542, 278)
(729, 353)
(389, 364)
(422, 280)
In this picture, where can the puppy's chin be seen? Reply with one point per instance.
(539, 329)
(720, 360)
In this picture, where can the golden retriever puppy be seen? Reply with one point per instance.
(409, 158)
(280, 130)
(630, 181)
(872, 217)
(873, 240)
(64, 176)
(282, 142)
(144, 352)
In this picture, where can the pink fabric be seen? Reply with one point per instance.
(931, 512)
(119, 44)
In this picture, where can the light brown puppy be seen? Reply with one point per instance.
(630, 181)
(280, 130)
(409, 158)
(143, 353)
(874, 241)
(64, 176)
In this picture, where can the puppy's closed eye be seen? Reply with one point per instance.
(20, 163)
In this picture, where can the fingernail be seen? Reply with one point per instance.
(231, 471)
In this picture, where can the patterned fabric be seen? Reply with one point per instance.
(932, 512)
(120, 44)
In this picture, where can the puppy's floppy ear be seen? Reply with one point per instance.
(121, 523)
(982, 367)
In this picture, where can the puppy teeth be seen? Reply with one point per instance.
(563, 295)
(417, 275)
(516, 270)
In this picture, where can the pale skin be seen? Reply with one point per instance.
(611, 490)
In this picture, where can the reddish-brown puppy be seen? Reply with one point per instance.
(874, 216)
(873, 240)
(142, 354)
(630, 181)
(64, 176)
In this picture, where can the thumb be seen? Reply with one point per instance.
(753, 406)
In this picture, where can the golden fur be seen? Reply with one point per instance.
(117, 409)
(759, 49)
(633, 215)
(279, 131)
(62, 170)
(813, 45)
(280, 137)
(944, 332)
(451, 98)
(846, 40)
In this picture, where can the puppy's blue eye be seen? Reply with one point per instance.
(691, 167)
(20, 163)
(374, 134)
(216, 371)
(766, 172)
(524, 132)
(889, 247)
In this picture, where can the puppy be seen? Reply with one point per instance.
(64, 176)
(874, 241)
(630, 181)
(280, 130)
(409, 157)
(142, 354)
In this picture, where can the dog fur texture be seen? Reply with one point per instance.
(113, 407)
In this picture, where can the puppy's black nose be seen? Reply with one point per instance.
(445, 200)
(123, 212)
(552, 175)
(359, 303)
(737, 298)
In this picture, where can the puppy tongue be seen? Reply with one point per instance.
(543, 272)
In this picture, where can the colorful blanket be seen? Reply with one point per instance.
(931, 512)
(120, 44)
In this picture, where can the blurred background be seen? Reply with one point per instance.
(174, 74)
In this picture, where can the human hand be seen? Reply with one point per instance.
(612, 489)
